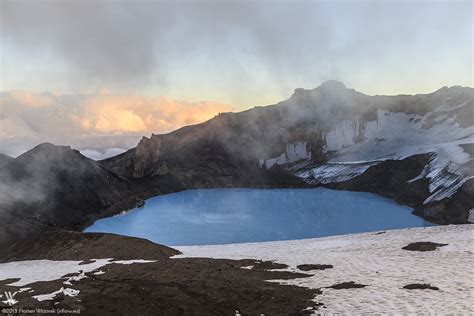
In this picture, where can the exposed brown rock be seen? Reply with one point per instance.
(346, 285)
(268, 265)
(423, 246)
(419, 286)
(162, 170)
(147, 152)
(309, 267)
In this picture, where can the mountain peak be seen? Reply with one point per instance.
(48, 150)
(332, 89)
(49, 147)
(332, 85)
(327, 87)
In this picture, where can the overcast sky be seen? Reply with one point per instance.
(231, 54)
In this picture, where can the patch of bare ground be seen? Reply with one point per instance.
(346, 285)
(420, 286)
(423, 246)
(309, 267)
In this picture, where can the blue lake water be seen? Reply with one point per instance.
(220, 216)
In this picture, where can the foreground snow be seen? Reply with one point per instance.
(377, 260)
(32, 271)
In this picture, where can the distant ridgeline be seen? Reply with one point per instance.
(416, 150)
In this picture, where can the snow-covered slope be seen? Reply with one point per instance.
(395, 135)
(378, 261)
(372, 130)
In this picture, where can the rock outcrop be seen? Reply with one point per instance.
(147, 152)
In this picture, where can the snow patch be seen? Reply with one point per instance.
(386, 126)
(470, 217)
(449, 107)
(377, 260)
(32, 271)
(294, 152)
(447, 172)
(51, 296)
(132, 261)
(76, 278)
(335, 172)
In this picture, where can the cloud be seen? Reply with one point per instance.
(102, 154)
(100, 124)
(213, 49)
(28, 99)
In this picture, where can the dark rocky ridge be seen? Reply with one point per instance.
(70, 245)
(52, 187)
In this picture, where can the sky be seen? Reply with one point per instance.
(98, 74)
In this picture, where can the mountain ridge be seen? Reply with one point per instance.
(314, 130)
(416, 150)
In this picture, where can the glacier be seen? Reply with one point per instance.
(358, 144)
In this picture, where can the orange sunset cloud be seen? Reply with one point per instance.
(66, 118)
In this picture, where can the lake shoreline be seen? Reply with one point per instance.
(233, 215)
